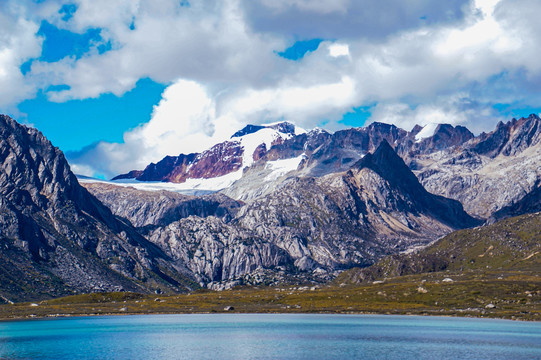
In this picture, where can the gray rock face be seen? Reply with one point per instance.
(485, 173)
(346, 207)
(353, 218)
(160, 208)
(326, 153)
(218, 253)
(530, 203)
(56, 238)
(490, 172)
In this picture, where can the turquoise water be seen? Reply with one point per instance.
(255, 336)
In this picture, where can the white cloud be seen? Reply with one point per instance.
(18, 43)
(207, 42)
(337, 50)
(298, 103)
(183, 122)
(443, 61)
(433, 67)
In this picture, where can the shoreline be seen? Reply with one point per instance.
(516, 298)
(67, 316)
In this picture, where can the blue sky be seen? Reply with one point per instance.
(117, 84)
(73, 124)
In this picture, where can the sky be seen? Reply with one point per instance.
(119, 84)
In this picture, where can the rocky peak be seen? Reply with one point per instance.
(382, 128)
(444, 136)
(386, 163)
(524, 133)
(33, 171)
(511, 137)
(377, 132)
(162, 170)
(221, 159)
(389, 166)
(58, 237)
(416, 129)
(129, 175)
(283, 127)
(248, 129)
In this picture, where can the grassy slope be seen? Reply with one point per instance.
(513, 244)
(495, 272)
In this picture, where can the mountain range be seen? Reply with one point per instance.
(283, 205)
(448, 160)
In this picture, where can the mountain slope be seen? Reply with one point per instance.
(224, 160)
(530, 203)
(489, 172)
(56, 238)
(513, 244)
(159, 208)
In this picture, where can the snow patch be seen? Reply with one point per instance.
(250, 142)
(427, 131)
(298, 130)
(281, 167)
(191, 186)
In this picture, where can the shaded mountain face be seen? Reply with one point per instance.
(56, 238)
(530, 203)
(386, 163)
(510, 138)
(309, 228)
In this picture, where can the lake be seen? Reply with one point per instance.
(269, 336)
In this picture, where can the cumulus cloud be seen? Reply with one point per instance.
(208, 42)
(183, 122)
(428, 74)
(18, 43)
(418, 62)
